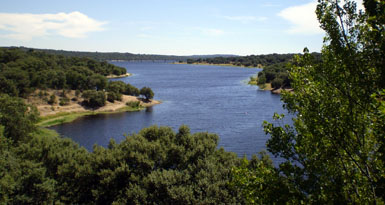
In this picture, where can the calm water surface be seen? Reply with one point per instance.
(206, 98)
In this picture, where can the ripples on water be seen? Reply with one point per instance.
(215, 99)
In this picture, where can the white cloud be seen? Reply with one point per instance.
(212, 32)
(303, 18)
(245, 19)
(27, 26)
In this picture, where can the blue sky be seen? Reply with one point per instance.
(174, 27)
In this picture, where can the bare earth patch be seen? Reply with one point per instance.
(74, 105)
(119, 76)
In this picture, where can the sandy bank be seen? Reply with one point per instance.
(267, 87)
(279, 91)
(46, 110)
(119, 76)
(74, 105)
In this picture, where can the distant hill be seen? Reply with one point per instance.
(102, 56)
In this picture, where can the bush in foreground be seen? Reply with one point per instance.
(155, 166)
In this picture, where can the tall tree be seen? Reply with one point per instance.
(17, 118)
(147, 93)
(335, 151)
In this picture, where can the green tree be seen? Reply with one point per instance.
(334, 152)
(22, 181)
(94, 99)
(97, 82)
(261, 79)
(52, 99)
(147, 93)
(159, 166)
(8, 87)
(131, 90)
(112, 96)
(17, 118)
(277, 83)
(116, 86)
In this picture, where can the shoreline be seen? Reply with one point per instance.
(212, 64)
(118, 76)
(57, 114)
(66, 117)
(267, 87)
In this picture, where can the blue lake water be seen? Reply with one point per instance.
(215, 99)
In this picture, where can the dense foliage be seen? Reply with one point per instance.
(106, 56)
(16, 118)
(23, 71)
(275, 70)
(93, 98)
(147, 93)
(155, 166)
(276, 74)
(247, 61)
(334, 152)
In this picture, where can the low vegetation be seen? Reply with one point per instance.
(25, 72)
(155, 165)
(332, 154)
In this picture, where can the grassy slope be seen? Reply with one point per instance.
(65, 117)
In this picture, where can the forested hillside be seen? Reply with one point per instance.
(333, 153)
(275, 66)
(21, 72)
(247, 61)
(105, 56)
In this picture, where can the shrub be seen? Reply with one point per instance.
(40, 94)
(93, 98)
(64, 101)
(270, 76)
(147, 93)
(277, 83)
(52, 99)
(116, 87)
(77, 93)
(133, 104)
(131, 90)
(112, 96)
(261, 80)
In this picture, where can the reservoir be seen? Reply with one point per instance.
(213, 99)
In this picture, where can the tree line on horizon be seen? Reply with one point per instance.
(275, 66)
(22, 72)
(333, 153)
(110, 56)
